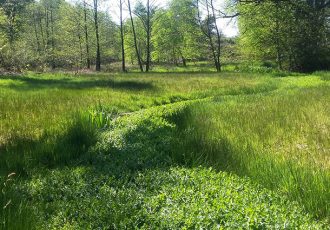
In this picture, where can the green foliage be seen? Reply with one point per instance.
(47, 105)
(291, 34)
(129, 40)
(45, 34)
(178, 35)
(279, 140)
(127, 181)
(100, 151)
(52, 34)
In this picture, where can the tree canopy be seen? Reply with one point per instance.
(286, 34)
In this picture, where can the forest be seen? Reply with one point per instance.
(175, 114)
(55, 34)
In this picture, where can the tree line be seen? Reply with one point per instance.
(286, 34)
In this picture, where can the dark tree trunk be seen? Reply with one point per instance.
(98, 52)
(88, 60)
(218, 52)
(208, 33)
(148, 37)
(184, 62)
(122, 37)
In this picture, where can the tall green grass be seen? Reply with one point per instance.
(39, 116)
(128, 180)
(280, 140)
(55, 125)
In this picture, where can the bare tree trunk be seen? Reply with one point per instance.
(81, 51)
(218, 52)
(148, 37)
(209, 35)
(88, 60)
(122, 37)
(134, 36)
(98, 53)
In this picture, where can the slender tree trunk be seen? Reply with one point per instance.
(98, 53)
(184, 61)
(80, 37)
(53, 39)
(88, 60)
(148, 37)
(134, 36)
(209, 35)
(277, 34)
(218, 52)
(80, 44)
(122, 37)
(47, 28)
(48, 52)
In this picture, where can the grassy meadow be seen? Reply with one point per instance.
(165, 151)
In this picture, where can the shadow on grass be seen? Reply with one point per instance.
(306, 184)
(21, 155)
(30, 83)
(109, 170)
(103, 158)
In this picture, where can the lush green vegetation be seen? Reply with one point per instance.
(135, 151)
(41, 35)
(286, 33)
(280, 141)
(186, 124)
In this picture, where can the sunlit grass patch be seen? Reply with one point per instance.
(125, 150)
(130, 180)
(281, 140)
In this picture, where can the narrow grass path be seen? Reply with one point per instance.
(131, 179)
(159, 155)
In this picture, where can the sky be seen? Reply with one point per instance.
(227, 26)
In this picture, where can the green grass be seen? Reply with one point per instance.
(134, 150)
(281, 140)
(41, 109)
